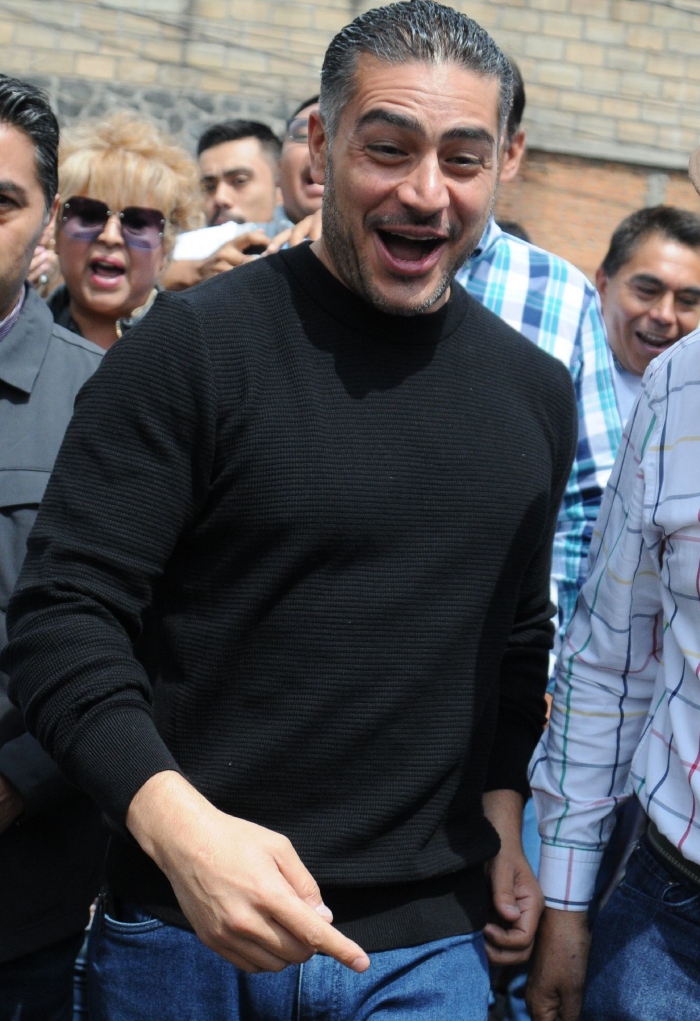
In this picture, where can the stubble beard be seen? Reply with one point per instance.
(339, 241)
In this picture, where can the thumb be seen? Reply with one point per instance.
(503, 892)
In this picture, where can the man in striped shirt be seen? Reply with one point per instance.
(625, 722)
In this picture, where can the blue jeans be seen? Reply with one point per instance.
(146, 969)
(39, 986)
(644, 963)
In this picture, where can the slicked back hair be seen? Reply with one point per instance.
(411, 30)
(233, 131)
(675, 224)
(26, 108)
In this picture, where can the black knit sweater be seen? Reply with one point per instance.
(325, 532)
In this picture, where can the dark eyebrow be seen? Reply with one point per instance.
(396, 120)
(651, 281)
(10, 188)
(400, 120)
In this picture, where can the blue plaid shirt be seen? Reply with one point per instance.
(553, 304)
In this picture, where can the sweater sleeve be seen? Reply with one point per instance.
(133, 468)
(524, 667)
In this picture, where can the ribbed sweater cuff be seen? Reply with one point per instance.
(510, 757)
(127, 739)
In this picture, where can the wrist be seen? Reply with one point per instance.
(166, 812)
(504, 810)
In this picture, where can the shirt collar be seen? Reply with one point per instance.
(488, 239)
(23, 349)
(9, 321)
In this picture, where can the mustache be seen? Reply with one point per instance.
(435, 222)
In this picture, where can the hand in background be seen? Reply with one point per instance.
(516, 894)
(43, 268)
(183, 273)
(558, 968)
(307, 229)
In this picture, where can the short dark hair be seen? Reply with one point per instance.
(232, 131)
(675, 224)
(302, 106)
(406, 31)
(517, 108)
(25, 107)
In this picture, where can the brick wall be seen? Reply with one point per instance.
(610, 79)
(613, 85)
(571, 205)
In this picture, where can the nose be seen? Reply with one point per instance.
(425, 188)
(111, 233)
(222, 195)
(664, 309)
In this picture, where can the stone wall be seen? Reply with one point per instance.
(613, 86)
(608, 79)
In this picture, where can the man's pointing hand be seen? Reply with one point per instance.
(243, 888)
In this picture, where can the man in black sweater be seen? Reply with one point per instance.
(285, 612)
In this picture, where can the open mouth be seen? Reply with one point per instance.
(409, 251)
(106, 272)
(653, 341)
(311, 187)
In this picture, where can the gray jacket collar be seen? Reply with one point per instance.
(23, 349)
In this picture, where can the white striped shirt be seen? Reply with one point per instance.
(626, 713)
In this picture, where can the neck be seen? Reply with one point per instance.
(97, 328)
(10, 304)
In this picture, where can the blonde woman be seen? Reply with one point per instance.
(126, 191)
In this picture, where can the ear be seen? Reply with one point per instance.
(601, 281)
(512, 157)
(318, 147)
(49, 230)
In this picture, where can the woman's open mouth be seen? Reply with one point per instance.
(106, 273)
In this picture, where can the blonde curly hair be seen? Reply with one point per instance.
(124, 160)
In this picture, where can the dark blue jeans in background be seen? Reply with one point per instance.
(644, 963)
(142, 970)
(39, 986)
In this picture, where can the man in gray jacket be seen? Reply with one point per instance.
(51, 840)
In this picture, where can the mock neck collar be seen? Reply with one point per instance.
(354, 313)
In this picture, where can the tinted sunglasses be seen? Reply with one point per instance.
(85, 219)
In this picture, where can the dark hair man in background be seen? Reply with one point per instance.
(239, 161)
(286, 612)
(51, 839)
(301, 195)
(553, 304)
(649, 286)
(242, 164)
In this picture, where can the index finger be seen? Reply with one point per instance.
(278, 240)
(309, 928)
